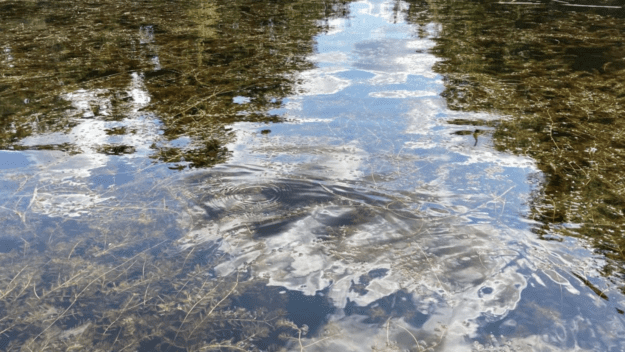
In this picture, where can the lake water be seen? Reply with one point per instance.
(312, 176)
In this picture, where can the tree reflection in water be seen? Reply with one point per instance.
(556, 71)
(192, 58)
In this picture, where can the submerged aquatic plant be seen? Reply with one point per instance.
(107, 276)
(190, 59)
(555, 73)
(85, 293)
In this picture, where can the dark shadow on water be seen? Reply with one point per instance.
(302, 310)
(399, 304)
(8, 244)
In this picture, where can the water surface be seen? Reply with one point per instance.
(332, 176)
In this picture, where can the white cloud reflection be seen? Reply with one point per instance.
(71, 172)
(320, 82)
(368, 208)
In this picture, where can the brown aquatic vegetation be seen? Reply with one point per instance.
(117, 283)
(194, 57)
(116, 280)
(119, 290)
(556, 74)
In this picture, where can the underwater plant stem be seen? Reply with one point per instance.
(73, 248)
(388, 322)
(9, 284)
(551, 131)
(413, 337)
(321, 340)
(431, 266)
(212, 309)
(89, 285)
(214, 346)
(195, 305)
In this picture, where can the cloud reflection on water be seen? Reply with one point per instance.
(366, 197)
(417, 203)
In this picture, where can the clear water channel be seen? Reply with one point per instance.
(265, 175)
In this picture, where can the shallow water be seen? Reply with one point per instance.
(363, 176)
